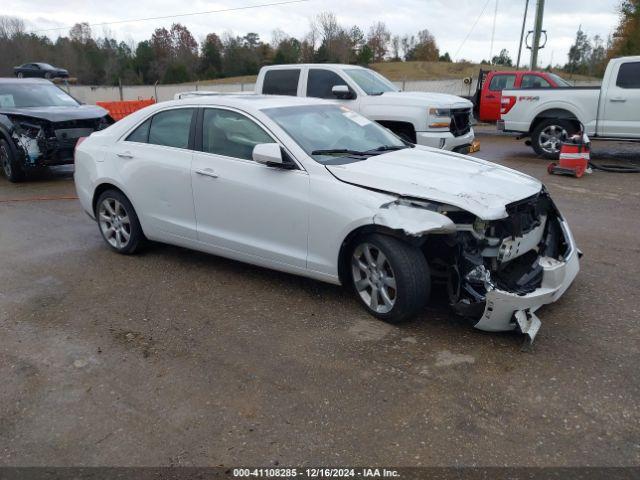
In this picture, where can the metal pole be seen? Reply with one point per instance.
(493, 31)
(537, 30)
(524, 23)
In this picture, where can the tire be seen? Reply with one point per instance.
(20, 75)
(9, 164)
(548, 135)
(118, 223)
(406, 134)
(403, 267)
(48, 75)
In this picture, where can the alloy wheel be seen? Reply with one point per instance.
(114, 223)
(552, 137)
(374, 278)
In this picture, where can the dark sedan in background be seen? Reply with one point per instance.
(40, 125)
(40, 70)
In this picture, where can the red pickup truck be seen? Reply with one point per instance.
(490, 84)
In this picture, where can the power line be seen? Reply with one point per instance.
(178, 15)
(471, 30)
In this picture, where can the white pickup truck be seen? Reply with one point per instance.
(550, 115)
(432, 119)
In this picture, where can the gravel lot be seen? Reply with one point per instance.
(174, 357)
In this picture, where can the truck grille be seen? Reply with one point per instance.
(460, 121)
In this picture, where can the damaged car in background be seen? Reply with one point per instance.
(312, 188)
(40, 125)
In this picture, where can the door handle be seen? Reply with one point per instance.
(124, 155)
(207, 172)
(618, 99)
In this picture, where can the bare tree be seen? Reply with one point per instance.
(395, 47)
(11, 27)
(378, 40)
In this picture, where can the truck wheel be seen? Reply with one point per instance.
(548, 136)
(390, 277)
(10, 167)
(118, 222)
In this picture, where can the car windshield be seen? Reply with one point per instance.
(45, 65)
(371, 82)
(34, 95)
(561, 82)
(330, 132)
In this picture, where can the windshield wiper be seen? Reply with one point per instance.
(339, 151)
(387, 148)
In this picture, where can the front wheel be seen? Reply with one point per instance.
(12, 170)
(549, 135)
(390, 277)
(20, 75)
(118, 222)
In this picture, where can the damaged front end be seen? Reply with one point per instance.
(499, 272)
(40, 142)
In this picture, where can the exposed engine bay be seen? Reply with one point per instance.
(42, 142)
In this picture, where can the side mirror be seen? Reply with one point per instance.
(342, 92)
(268, 154)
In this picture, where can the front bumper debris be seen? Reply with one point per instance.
(511, 311)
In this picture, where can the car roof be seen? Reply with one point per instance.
(312, 65)
(248, 101)
(20, 81)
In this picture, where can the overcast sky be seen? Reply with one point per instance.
(450, 21)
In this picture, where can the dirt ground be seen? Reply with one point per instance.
(173, 357)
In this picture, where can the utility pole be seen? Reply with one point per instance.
(493, 31)
(537, 31)
(524, 23)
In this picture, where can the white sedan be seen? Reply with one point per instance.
(312, 188)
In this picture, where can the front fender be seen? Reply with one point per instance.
(412, 220)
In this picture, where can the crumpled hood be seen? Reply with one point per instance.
(480, 187)
(58, 114)
(434, 100)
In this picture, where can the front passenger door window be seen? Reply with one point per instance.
(231, 134)
(320, 83)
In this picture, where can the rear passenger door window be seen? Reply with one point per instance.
(231, 134)
(281, 82)
(502, 82)
(534, 81)
(629, 75)
(171, 128)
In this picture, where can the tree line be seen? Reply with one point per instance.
(173, 55)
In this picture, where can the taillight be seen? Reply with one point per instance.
(506, 103)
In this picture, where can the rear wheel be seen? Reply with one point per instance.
(118, 222)
(20, 75)
(548, 136)
(390, 277)
(9, 164)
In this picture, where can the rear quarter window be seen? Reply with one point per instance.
(281, 82)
